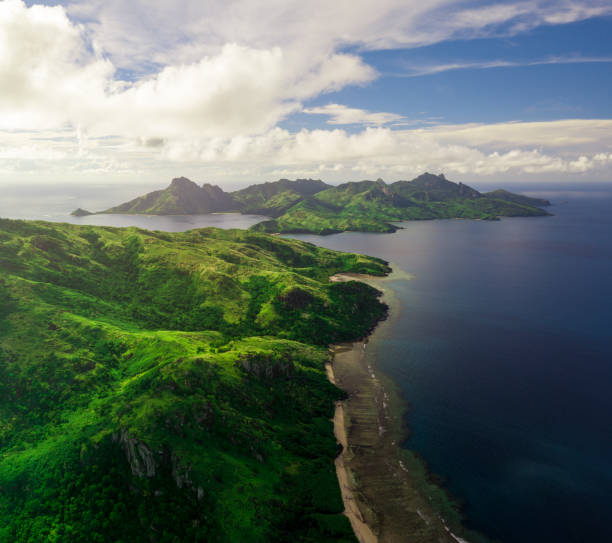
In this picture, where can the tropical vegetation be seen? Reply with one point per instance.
(159, 387)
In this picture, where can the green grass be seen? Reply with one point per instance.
(171, 387)
(274, 199)
(318, 217)
(371, 206)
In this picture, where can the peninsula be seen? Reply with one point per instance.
(172, 386)
(312, 206)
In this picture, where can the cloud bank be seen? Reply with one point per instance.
(111, 87)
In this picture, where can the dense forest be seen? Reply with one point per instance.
(159, 387)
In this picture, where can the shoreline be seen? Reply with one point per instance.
(362, 530)
(385, 489)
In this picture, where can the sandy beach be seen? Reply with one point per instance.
(386, 495)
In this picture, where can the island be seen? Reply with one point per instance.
(80, 212)
(312, 206)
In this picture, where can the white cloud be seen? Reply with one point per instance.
(337, 155)
(159, 31)
(45, 68)
(238, 78)
(415, 71)
(138, 85)
(340, 114)
(239, 91)
(473, 150)
(562, 135)
(51, 77)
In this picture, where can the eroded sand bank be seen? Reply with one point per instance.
(383, 487)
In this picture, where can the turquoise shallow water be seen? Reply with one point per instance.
(503, 349)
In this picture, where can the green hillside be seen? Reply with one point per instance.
(434, 188)
(502, 194)
(171, 387)
(184, 197)
(371, 206)
(312, 206)
(181, 197)
(318, 217)
(274, 199)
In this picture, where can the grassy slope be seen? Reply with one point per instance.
(274, 205)
(170, 387)
(274, 199)
(318, 217)
(182, 196)
(370, 206)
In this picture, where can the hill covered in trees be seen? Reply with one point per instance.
(312, 206)
(171, 387)
(372, 206)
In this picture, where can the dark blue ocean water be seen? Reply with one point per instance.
(503, 348)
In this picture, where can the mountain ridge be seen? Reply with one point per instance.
(313, 206)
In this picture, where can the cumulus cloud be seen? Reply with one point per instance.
(45, 68)
(53, 77)
(237, 77)
(465, 150)
(339, 155)
(238, 91)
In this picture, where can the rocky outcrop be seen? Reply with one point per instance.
(143, 463)
(140, 457)
(181, 473)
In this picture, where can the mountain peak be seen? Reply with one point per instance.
(183, 182)
(431, 178)
(431, 187)
(181, 197)
(423, 197)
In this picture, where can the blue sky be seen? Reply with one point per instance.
(524, 91)
(486, 91)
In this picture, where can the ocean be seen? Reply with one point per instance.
(55, 202)
(501, 346)
(503, 350)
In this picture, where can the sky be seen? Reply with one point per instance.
(239, 91)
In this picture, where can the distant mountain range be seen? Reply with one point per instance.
(312, 206)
